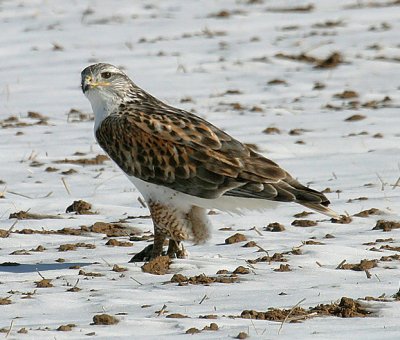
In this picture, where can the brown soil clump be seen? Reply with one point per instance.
(362, 266)
(80, 208)
(235, 238)
(355, 118)
(44, 283)
(5, 301)
(303, 214)
(99, 159)
(346, 94)
(111, 229)
(157, 266)
(368, 212)
(104, 319)
(275, 227)
(386, 225)
(203, 279)
(346, 308)
(304, 223)
(344, 219)
(277, 257)
(241, 270)
(66, 328)
(90, 274)
(193, 330)
(73, 246)
(250, 244)
(24, 215)
(115, 243)
(118, 269)
(212, 327)
(176, 316)
(283, 268)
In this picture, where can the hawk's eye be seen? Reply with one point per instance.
(106, 75)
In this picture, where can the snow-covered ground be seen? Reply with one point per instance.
(239, 65)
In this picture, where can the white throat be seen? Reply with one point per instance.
(103, 104)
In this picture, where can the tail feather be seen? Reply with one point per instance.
(287, 190)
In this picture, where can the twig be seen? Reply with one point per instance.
(257, 231)
(382, 182)
(341, 264)
(367, 273)
(142, 202)
(16, 193)
(162, 310)
(290, 312)
(107, 263)
(254, 326)
(9, 330)
(65, 185)
(41, 275)
(136, 281)
(10, 229)
(202, 300)
(319, 264)
(76, 283)
(261, 248)
(395, 185)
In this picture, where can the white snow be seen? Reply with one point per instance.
(176, 50)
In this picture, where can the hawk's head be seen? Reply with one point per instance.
(106, 87)
(104, 79)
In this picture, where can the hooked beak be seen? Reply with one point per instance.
(89, 83)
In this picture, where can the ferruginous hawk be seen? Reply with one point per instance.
(182, 164)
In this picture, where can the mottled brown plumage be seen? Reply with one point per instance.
(178, 160)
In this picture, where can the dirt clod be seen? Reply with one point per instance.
(366, 213)
(111, 229)
(241, 270)
(346, 94)
(80, 208)
(355, 118)
(242, 335)
(343, 219)
(44, 283)
(346, 308)
(66, 328)
(250, 244)
(73, 246)
(275, 227)
(235, 238)
(203, 279)
(193, 330)
(104, 319)
(303, 214)
(5, 301)
(97, 160)
(176, 316)
(24, 215)
(118, 269)
(304, 223)
(277, 257)
(115, 243)
(386, 225)
(283, 268)
(157, 266)
(212, 327)
(362, 266)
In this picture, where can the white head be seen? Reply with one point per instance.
(106, 87)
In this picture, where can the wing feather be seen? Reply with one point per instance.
(174, 148)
